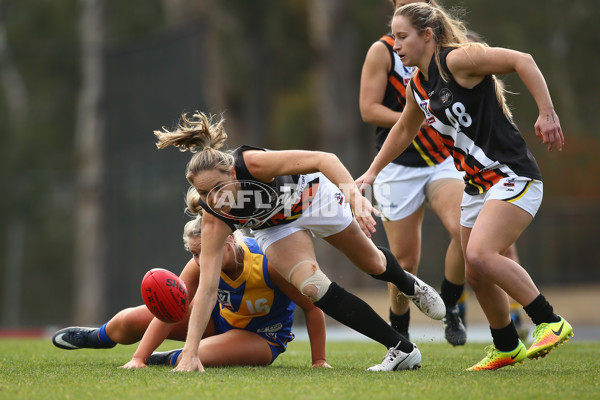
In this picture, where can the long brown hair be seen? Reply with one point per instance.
(448, 32)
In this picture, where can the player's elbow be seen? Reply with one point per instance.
(329, 159)
(323, 161)
(367, 119)
(524, 61)
(367, 115)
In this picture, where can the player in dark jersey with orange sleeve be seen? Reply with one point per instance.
(456, 91)
(424, 173)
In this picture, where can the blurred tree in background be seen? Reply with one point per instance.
(285, 75)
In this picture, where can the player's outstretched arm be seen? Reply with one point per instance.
(265, 165)
(214, 234)
(157, 330)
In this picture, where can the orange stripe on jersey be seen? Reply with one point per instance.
(432, 144)
(462, 165)
(449, 143)
(485, 179)
(388, 39)
(306, 198)
(400, 88)
(417, 81)
(490, 178)
(482, 180)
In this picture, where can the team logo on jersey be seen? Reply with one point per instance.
(404, 72)
(224, 297)
(509, 184)
(409, 70)
(272, 328)
(425, 107)
(446, 97)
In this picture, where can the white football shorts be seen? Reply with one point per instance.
(400, 190)
(525, 193)
(327, 215)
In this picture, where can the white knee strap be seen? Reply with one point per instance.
(289, 277)
(320, 281)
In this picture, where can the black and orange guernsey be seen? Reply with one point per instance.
(426, 149)
(260, 205)
(483, 141)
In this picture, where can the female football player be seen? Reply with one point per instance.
(237, 333)
(456, 93)
(424, 173)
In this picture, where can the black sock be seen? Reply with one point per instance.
(395, 274)
(400, 322)
(451, 292)
(540, 311)
(505, 339)
(353, 312)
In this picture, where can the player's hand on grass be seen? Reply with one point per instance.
(134, 363)
(187, 364)
(321, 364)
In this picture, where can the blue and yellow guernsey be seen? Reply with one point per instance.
(252, 302)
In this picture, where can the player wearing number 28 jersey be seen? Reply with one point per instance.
(485, 144)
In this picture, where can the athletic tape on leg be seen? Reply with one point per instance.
(289, 277)
(319, 280)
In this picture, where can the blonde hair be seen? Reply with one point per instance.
(448, 31)
(192, 204)
(202, 132)
(193, 228)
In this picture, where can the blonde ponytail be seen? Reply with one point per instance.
(198, 132)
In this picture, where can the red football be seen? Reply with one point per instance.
(165, 295)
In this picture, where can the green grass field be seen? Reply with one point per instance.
(35, 369)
